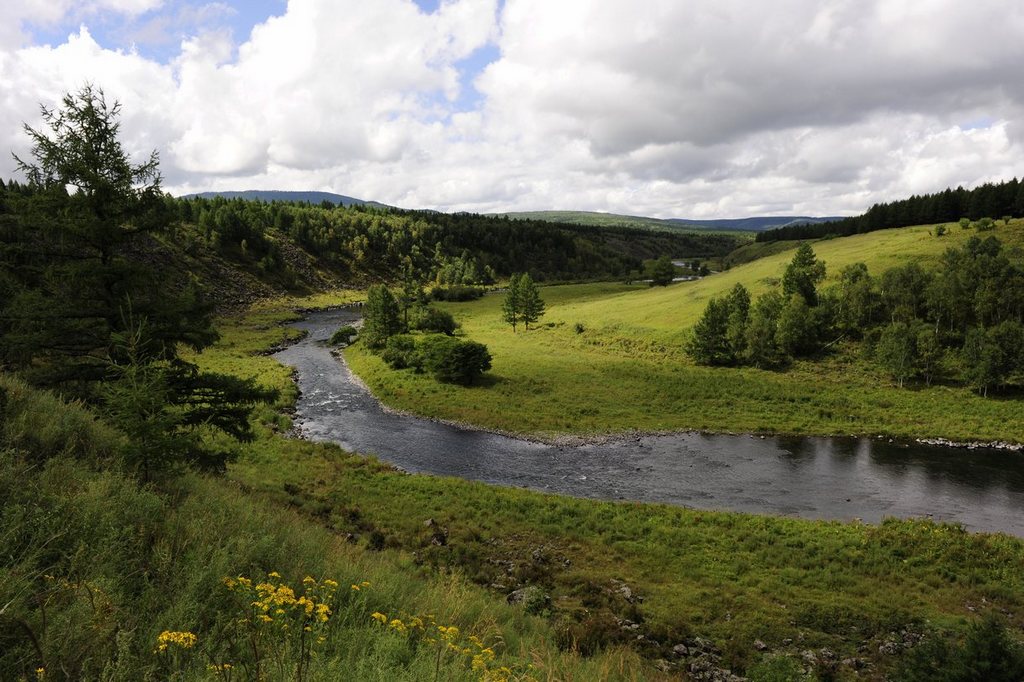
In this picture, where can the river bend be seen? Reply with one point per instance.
(807, 477)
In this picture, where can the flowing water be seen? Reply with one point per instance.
(816, 478)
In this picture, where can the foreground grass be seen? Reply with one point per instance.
(94, 566)
(627, 369)
(794, 585)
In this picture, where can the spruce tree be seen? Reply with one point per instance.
(531, 305)
(709, 341)
(87, 315)
(803, 274)
(511, 307)
(381, 317)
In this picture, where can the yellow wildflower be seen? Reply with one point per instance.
(185, 640)
(330, 583)
(273, 574)
(40, 673)
(308, 580)
(355, 588)
(379, 617)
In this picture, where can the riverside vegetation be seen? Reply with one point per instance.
(611, 358)
(113, 569)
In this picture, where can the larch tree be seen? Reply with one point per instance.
(89, 317)
(511, 307)
(531, 305)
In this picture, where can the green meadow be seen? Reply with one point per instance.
(614, 587)
(608, 358)
(733, 578)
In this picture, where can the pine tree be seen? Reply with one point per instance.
(511, 307)
(531, 305)
(738, 301)
(803, 274)
(709, 341)
(88, 317)
(381, 317)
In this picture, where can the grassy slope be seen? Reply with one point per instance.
(627, 369)
(732, 577)
(95, 566)
(618, 220)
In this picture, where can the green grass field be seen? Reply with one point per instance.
(734, 578)
(627, 370)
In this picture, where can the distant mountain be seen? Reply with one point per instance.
(278, 195)
(757, 224)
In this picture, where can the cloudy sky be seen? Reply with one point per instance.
(670, 108)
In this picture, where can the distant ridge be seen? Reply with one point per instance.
(754, 224)
(279, 195)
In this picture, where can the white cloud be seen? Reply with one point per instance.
(706, 108)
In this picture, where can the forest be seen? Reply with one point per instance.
(1001, 200)
(461, 248)
(962, 321)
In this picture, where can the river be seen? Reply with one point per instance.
(806, 477)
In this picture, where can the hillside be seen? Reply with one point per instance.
(742, 225)
(626, 370)
(291, 196)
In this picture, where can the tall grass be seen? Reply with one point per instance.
(94, 567)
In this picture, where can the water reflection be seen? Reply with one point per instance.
(833, 478)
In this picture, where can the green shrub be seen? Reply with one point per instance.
(456, 293)
(454, 361)
(400, 352)
(437, 321)
(343, 335)
(987, 652)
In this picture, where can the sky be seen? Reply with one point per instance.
(666, 108)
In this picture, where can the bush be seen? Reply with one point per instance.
(987, 652)
(457, 293)
(400, 352)
(436, 321)
(454, 361)
(343, 335)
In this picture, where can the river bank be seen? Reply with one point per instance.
(785, 475)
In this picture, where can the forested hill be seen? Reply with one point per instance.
(296, 197)
(989, 200)
(753, 224)
(245, 249)
(364, 242)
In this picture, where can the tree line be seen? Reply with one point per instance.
(82, 313)
(365, 242)
(949, 206)
(961, 322)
